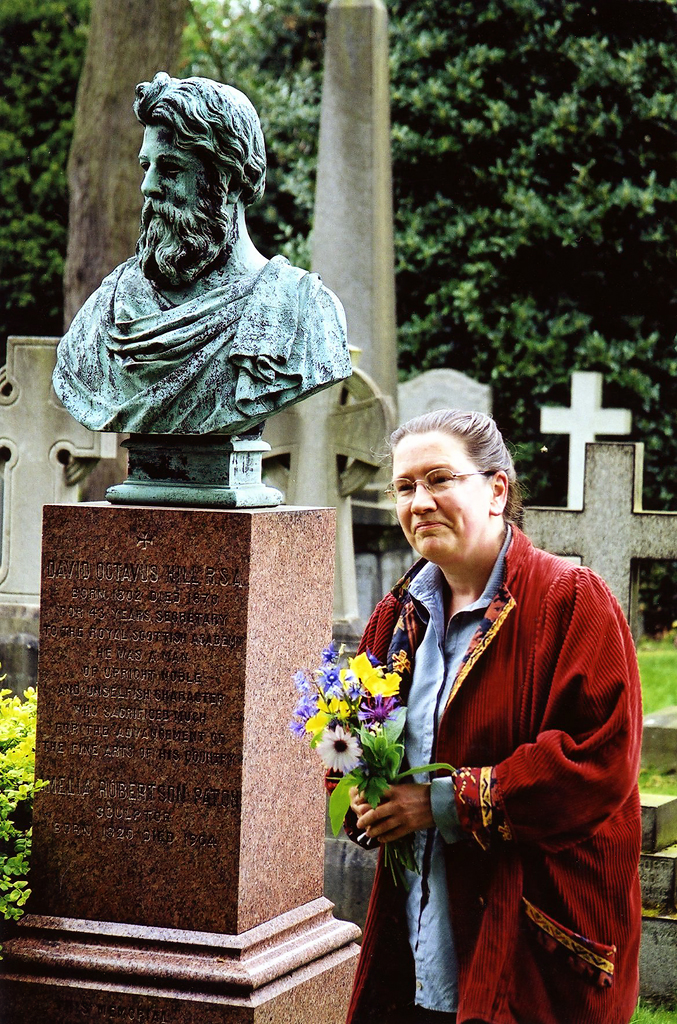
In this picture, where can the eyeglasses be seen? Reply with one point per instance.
(436, 482)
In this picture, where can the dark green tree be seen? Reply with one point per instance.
(535, 191)
(43, 45)
(535, 182)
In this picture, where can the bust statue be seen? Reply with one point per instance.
(198, 332)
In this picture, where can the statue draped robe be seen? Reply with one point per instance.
(223, 361)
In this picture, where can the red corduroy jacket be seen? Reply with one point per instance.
(544, 726)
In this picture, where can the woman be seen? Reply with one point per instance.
(519, 670)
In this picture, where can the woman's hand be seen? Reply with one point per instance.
(404, 808)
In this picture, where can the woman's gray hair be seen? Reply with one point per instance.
(483, 443)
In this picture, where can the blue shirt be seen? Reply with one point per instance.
(438, 659)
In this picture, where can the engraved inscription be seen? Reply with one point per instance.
(150, 648)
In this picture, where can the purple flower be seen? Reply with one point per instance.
(298, 728)
(378, 710)
(375, 662)
(330, 654)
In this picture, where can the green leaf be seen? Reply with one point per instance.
(339, 802)
(436, 767)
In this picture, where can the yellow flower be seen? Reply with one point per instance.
(387, 685)
(328, 712)
(318, 722)
(375, 680)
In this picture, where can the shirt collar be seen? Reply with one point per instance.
(427, 585)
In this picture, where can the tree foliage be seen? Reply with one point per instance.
(535, 190)
(41, 56)
(535, 193)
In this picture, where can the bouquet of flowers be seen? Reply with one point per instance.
(355, 719)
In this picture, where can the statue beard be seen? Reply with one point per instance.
(178, 244)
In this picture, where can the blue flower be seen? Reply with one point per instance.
(306, 707)
(330, 654)
(298, 728)
(375, 662)
(352, 687)
(330, 683)
(302, 682)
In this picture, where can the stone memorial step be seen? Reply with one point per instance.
(658, 957)
(659, 740)
(657, 872)
(659, 821)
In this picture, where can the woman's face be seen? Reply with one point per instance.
(463, 524)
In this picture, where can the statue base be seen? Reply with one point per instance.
(195, 470)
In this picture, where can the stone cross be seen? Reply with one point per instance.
(583, 422)
(44, 454)
(612, 533)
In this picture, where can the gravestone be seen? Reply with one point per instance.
(353, 218)
(441, 389)
(322, 459)
(658, 951)
(44, 457)
(613, 532)
(583, 422)
(166, 848)
(659, 740)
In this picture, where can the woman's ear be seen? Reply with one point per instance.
(499, 484)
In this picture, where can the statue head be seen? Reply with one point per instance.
(215, 132)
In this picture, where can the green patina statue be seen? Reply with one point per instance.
(199, 332)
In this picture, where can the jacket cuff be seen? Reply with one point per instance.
(443, 806)
(478, 804)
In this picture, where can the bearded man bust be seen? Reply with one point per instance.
(198, 331)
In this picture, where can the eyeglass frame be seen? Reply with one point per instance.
(454, 477)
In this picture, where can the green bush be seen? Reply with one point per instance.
(17, 787)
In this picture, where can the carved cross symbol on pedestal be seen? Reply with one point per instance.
(143, 541)
(612, 533)
(44, 454)
(583, 422)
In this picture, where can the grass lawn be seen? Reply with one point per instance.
(654, 1015)
(658, 672)
(658, 669)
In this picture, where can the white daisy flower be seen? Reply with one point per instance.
(339, 750)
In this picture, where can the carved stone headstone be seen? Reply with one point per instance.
(441, 389)
(613, 532)
(583, 422)
(44, 457)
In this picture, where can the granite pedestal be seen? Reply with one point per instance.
(178, 852)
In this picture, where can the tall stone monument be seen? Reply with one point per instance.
(177, 869)
(352, 249)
